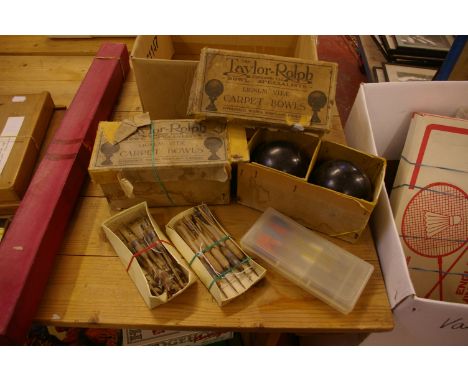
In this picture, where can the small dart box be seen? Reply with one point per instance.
(111, 228)
(223, 286)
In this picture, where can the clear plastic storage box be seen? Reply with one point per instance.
(329, 272)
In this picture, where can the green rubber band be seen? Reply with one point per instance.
(221, 276)
(208, 248)
(198, 254)
(153, 166)
(216, 243)
(246, 260)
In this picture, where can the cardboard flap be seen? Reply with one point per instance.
(387, 241)
(174, 76)
(391, 115)
(127, 127)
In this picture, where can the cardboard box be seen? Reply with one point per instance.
(164, 66)
(24, 120)
(146, 337)
(189, 163)
(313, 206)
(378, 123)
(114, 225)
(430, 206)
(264, 89)
(212, 256)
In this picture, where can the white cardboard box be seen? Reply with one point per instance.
(378, 124)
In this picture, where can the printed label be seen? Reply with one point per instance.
(270, 89)
(175, 143)
(8, 138)
(18, 99)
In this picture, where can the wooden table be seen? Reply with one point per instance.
(89, 287)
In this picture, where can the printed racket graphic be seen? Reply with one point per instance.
(435, 220)
(435, 224)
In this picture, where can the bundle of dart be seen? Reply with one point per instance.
(216, 258)
(163, 273)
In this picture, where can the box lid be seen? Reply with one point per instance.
(329, 272)
(264, 89)
(176, 149)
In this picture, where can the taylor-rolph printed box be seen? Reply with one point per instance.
(264, 88)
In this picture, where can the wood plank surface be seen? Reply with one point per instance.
(46, 46)
(89, 285)
(47, 68)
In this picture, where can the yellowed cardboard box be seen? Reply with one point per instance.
(24, 120)
(189, 162)
(111, 225)
(430, 206)
(164, 66)
(265, 89)
(313, 206)
(227, 286)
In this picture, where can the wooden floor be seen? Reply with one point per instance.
(89, 286)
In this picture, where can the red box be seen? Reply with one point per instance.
(35, 234)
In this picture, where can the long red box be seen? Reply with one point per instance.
(35, 234)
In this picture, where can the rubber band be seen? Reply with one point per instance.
(219, 277)
(146, 249)
(155, 171)
(229, 270)
(440, 272)
(430, 166)
(246, 260)
(15, 137)
(209, 248)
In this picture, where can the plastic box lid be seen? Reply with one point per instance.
(313, 263)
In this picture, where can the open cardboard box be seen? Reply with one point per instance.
(313, 206)
(378, 124)
(164, 66)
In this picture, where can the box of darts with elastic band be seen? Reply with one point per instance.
(166, 162)
(220, 263)
(152, 262)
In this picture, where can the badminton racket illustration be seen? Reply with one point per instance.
(435, 221)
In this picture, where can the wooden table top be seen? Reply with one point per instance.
(89, 286)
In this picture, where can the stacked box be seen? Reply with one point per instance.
(24, 120)
(170, 62)
(165, 65)
(264, 89)
(169, 162)
(430, 206)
